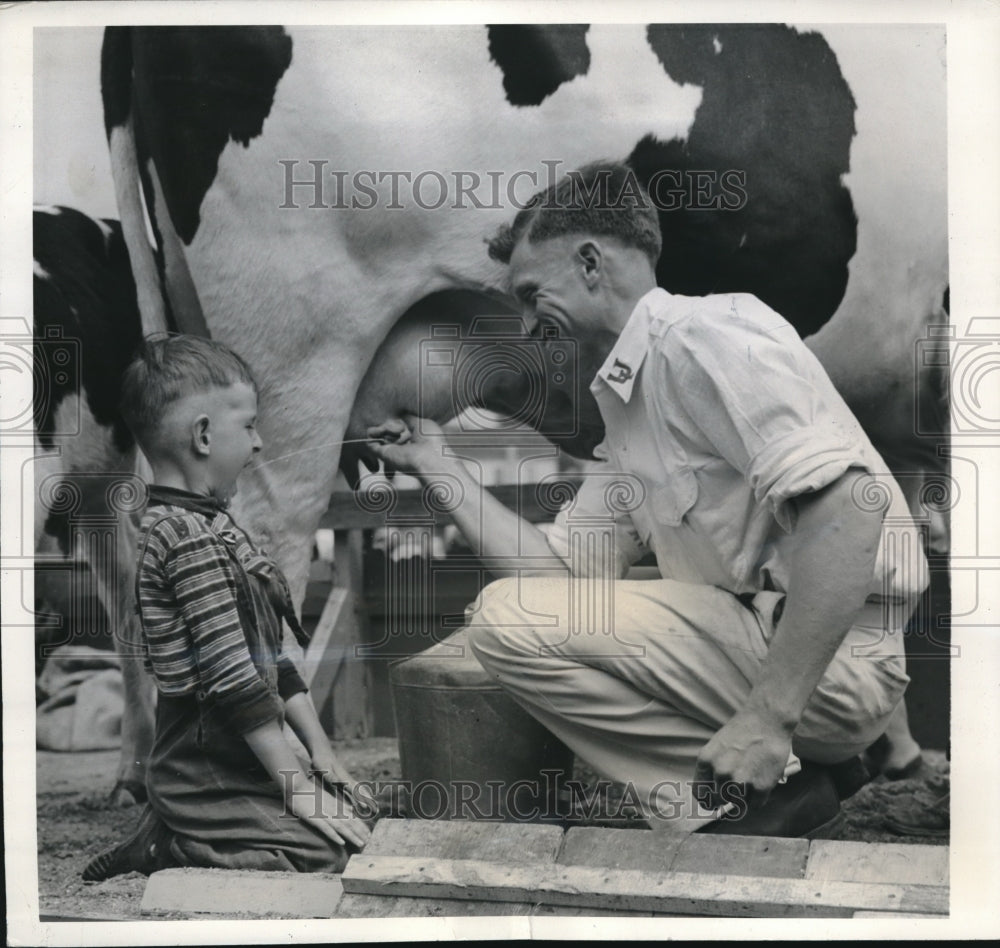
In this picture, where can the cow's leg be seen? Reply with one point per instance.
(115, 578)
(88, 475)
(139, 692)
(137, 721)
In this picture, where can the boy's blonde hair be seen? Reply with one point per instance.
(168, 367)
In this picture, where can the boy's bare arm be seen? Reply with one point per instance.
(304, 798)
(300, 713)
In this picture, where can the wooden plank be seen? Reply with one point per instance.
(619, 848)
(344, 512)
(895, 915)
(613, 849)
(317, 591)
(662, 852)
(319, 667)
(566, 911)
(352, 711)
(373, 906)
(513, 843)
(331, 668)
(760, 856)
(917, 864)
(231, 892)
(46, 917)
(633, 890)
(330, 664)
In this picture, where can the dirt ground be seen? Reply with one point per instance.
(75, 822)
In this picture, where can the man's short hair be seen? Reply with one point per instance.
(604, 198)
(167, 367)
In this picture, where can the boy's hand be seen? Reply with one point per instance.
(409, 443)
(332, 816)
(333, 772)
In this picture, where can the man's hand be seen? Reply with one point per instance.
(493, 531)
(750, 750)
(409, 444)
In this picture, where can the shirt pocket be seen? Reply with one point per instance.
(672, 500)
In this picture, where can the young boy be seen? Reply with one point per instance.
(225, 787)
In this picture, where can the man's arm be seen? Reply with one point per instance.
(491, 529)
(829, 582)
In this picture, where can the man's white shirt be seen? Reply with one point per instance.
(719, 416)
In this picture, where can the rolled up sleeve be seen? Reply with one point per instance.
(761, 399)
(198, 570)
(290, 682)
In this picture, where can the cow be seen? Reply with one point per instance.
(87, 326)
(306, 188)
(457, 352)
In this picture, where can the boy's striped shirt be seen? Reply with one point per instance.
(192, 630)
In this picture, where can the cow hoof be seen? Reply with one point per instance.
(127, 793)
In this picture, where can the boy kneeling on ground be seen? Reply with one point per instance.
(226, 789)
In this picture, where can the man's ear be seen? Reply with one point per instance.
(590, 258)
(201, 438)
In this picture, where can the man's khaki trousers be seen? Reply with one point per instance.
(636, 676)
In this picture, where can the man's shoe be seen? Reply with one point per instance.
(849, 776)
(806, 806)
(876, 760)
(147, 850)
(933, 820)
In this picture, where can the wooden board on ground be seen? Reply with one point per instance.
(514, 843)
(758, 856)
(633, 890)
(659, 852)
(881, 862)
(618, 848)
(896, 915)
(234, 892)
(566, 911)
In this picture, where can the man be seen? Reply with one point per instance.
(731, 693)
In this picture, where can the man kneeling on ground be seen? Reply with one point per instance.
(734, 693)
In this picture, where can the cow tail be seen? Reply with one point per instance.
(128, 194)
(117, 99)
